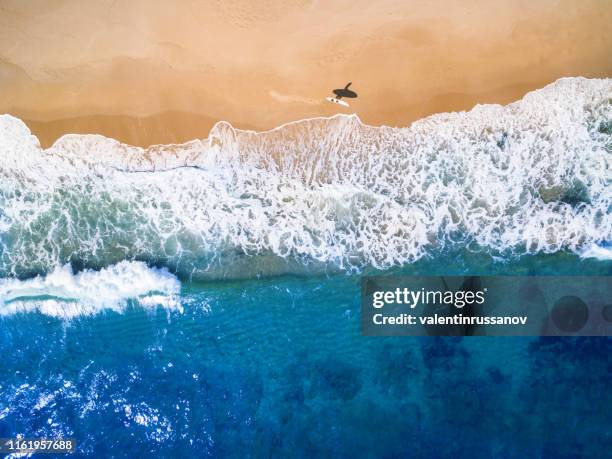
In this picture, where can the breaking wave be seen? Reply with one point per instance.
(65, 294)
(324, 193)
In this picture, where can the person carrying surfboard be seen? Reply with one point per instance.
(340, 93)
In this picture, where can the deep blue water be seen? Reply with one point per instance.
(278, 368)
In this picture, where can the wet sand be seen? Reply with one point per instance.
(149, 72)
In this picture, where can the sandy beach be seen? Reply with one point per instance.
(148, 72)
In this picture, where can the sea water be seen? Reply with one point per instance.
(278, 367)
(203, 299)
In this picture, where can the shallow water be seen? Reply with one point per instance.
(317, 195)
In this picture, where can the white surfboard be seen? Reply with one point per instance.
(337, 101)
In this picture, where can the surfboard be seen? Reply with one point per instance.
(337, 101)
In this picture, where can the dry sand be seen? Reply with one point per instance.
(147, 71)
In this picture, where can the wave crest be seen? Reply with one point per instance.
(65, 294)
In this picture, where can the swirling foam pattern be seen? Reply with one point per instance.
(325, 193)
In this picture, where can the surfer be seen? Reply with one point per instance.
(340, 93)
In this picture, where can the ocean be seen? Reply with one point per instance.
(203, 299)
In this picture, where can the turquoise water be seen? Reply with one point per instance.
(277, 367)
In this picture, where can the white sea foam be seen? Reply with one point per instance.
(599, 252)
(325, 193)
(65, 294)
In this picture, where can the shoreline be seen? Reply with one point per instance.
(177, 128)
